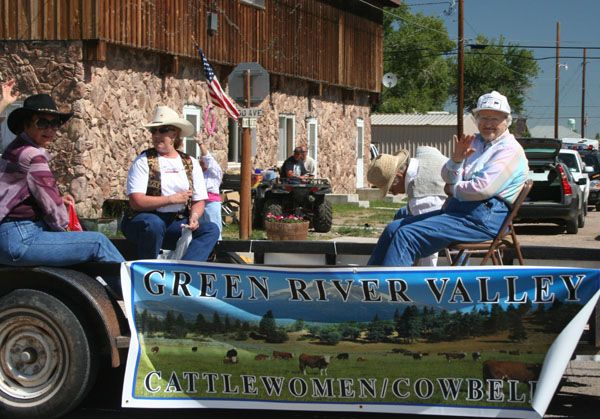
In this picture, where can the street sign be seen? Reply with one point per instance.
(259, 83)
(250, 112)
(248, 122)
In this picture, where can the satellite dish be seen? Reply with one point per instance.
(389, 80)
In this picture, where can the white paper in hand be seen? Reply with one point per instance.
(181, 246)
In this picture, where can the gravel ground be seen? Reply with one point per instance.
(579, 397)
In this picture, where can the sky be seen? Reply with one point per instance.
(533, 23)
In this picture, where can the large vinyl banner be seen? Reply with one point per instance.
(448, 341)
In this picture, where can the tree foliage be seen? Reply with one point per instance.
(413, 50)
(418, 50)
(504, 67)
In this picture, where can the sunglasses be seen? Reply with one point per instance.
(43, 123)
(162, 130)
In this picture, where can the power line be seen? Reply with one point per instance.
(528, 46)
(403, 19)
(427, 4)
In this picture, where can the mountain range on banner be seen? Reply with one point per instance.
(286, 311)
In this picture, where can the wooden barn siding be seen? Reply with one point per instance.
(306, 39)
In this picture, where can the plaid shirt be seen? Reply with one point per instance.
(28, 187)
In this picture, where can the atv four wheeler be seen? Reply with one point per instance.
(305, 198)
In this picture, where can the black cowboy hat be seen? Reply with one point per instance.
(41, 103)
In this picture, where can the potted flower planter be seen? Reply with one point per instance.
(287, 231)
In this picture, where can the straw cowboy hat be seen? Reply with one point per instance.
(163, 115)
(41, 103)
(383, 169)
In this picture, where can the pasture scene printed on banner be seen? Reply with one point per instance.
(367, 337)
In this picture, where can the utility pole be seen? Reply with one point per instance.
(245, 197)
(557, 79)
(460, 105)
(583, 95)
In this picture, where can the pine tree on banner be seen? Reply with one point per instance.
(217, 96)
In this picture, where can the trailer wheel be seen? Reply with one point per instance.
(46, 362)
(323, 217)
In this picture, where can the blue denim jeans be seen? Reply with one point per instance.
(407, 239)
(30, 243)
(212, 214)
(152, 231)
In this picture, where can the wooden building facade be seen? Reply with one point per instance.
(113, 61)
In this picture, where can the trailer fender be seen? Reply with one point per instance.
(84, 295)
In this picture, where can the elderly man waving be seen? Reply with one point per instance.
(483, 177)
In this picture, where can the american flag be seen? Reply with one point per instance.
(217, 95)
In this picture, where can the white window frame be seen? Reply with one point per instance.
(6, 135)
(313, 143)
(287, 137)
(192, 110)
(360, 152)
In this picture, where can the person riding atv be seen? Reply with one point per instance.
(302, 196)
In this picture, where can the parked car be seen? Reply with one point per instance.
(555, 197)
(579, 170)
(592, 159)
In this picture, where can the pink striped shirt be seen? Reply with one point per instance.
(28, 189)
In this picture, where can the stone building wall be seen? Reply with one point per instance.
(113, 99)
(337, 130)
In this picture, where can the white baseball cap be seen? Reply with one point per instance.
(493, 101)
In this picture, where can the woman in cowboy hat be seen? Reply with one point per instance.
(166, 191)
(33, 216)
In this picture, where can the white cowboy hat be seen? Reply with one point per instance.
(163, 115)
(383, 169)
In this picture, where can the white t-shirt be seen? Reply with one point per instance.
(173, 179)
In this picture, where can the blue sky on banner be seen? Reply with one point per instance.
(369, 292)
(533, 22)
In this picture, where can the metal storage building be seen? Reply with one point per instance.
(392, 132)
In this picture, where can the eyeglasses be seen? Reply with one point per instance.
(493, 119)
(43, 123)
(162, 130)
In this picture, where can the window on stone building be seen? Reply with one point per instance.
(7, 135)
(360, 146)
(287, 137)
(192, 113)
(312, 132)
(234, 155)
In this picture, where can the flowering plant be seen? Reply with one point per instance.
(271, 218)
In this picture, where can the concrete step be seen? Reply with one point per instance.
(368, 194)
(335, 198)
(347, 199)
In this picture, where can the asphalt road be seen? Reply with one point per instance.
(553, 235)
(578, 398)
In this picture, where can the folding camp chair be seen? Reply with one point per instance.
(459, 253)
